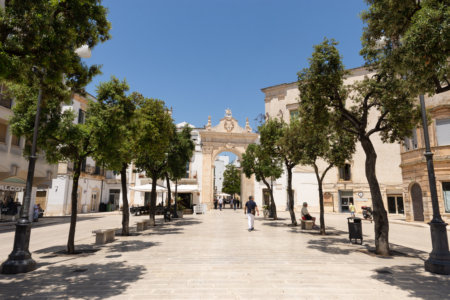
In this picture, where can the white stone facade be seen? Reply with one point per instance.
(280, 102)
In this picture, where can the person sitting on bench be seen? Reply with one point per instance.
(306, 215)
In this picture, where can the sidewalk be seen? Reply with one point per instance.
(213, 256)
(7, 226)
(393, 219)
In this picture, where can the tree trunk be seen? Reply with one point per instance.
(322, 214)
(169, 194)
(153, 202)
(291, 197)
(74, 200)
(176, 200)
(273, 206)
(379, 212)
(125, 208)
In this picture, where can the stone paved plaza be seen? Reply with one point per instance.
(213, 256)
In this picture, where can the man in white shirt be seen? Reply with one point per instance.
(306, 215)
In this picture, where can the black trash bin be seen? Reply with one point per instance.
(355, 230)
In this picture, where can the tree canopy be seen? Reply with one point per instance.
(114, 132)
(411, 38)
(231, 180)
(180, 153)
(382, 94)
(258, 160)
(322, 138)
(154, 133)
(45, 34)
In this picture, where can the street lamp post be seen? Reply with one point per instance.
(20, 261)
(439, 259)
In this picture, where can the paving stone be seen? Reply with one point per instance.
(213, 256)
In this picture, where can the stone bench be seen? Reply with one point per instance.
(103, 236)
(307, 224)
(200, 209)
(142, 225)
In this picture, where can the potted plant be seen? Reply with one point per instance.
(265, 211)
(180, 208)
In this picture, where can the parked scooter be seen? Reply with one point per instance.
(367, 213)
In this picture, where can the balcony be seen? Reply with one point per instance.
(416, 156)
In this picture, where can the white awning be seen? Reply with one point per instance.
(148, 188)
(223, 194)
(185, 188)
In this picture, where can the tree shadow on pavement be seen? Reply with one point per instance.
(184, 222)
(89, 281)
(129, 246)
(82, 250)
(342, 245)
(275, 224)
(163, 231)
(176, 226)
(330, 231)
(332, 245)
(416, 281)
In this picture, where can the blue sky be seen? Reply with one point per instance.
(203, 56)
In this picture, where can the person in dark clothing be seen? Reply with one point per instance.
(250, 209)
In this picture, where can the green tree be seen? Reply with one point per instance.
(282, 142)
(180, 153)
(323, 140)
(60, 138)
(382, 93)
(231, 180)
(44, 34)
(114, 133)
(258, 160)
(155, 130)
(410, 38)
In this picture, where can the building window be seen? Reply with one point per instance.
(446, 192)
(345, 172)
(443, 132)
(81, 116)
(83, 166)
(410, 143)
(186, 175)
(5, 99)
(395, 204)
(293, 114)
(15, 141)
(3, 132)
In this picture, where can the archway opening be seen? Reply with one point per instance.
(227, 180)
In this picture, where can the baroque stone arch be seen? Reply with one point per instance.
(227, 136)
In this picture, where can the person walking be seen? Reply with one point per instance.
(251, 208)
(234, 203)
(220, 203)
(215, 202)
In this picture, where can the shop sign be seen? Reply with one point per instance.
(12, 188)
